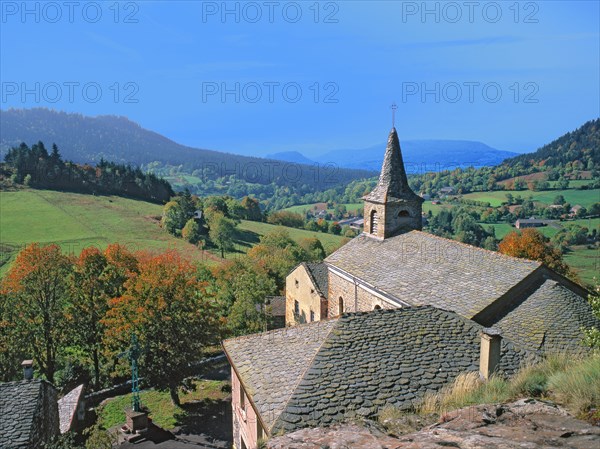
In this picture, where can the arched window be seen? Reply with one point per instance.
(377, 307)
(403, 213)
(340, 305)
(374, 222)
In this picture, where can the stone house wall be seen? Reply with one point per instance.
(300, 287)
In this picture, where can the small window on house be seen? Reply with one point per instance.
(312, 290)
(374, 222)
(340, 305)
(296, 283)
(296, 308)
(403, 213)
(312, 316)
(377, 307)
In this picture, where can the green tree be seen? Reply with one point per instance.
(89, 292)
(174, 217)
(249, 287)
(313, 248)
(221, 231)
(192, 231)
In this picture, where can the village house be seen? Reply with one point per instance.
(31, 415)
(306, 289)
(394, 313)
(532, 222)
(28, 412)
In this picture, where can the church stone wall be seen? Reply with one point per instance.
(355, 300)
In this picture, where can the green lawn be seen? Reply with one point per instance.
(75, 221)
(302, 208)
(162, 411)
(585, 262)
(583, 197)
(249, 233)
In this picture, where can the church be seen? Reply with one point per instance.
(394, 264)
(393, 314)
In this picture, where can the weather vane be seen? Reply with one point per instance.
(394, 107)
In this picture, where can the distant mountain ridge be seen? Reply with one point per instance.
(419, 155)
(84, 139)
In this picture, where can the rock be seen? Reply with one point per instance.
(529, 423)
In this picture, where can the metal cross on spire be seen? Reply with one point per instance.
(394, 107)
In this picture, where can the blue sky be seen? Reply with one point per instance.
(261, 77)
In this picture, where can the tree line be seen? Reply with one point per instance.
(36, 167)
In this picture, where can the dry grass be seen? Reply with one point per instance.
(570, 380)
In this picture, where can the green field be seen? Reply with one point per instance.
(582, 197)
(75, 221)
(585, 262)
(302, 208)
(249, 233)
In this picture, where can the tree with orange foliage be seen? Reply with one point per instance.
(36, 294)
(96, 278)
(167, 307)
(531, 244)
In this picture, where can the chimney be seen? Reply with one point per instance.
(27, 369)
(490, 352)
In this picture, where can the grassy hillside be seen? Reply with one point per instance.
(249, 233)
(75, 221)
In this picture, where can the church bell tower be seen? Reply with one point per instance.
(392, 207)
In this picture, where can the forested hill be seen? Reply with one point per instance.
(575, 155)
(581, 146)
(85, 139)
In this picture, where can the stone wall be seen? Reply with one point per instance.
(355, 299)
(393, 217)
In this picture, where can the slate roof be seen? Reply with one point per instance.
(67, 407)
(419, 268)
(393, 184)
(320, 276)
(549, 320)
(19, 401)
(271, 363)
(277, 304)
(359, 362)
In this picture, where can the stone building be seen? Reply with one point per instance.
(394, 264)
(394, 313)
(306, 289)
(321, 373)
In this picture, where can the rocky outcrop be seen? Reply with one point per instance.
(525, 423)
